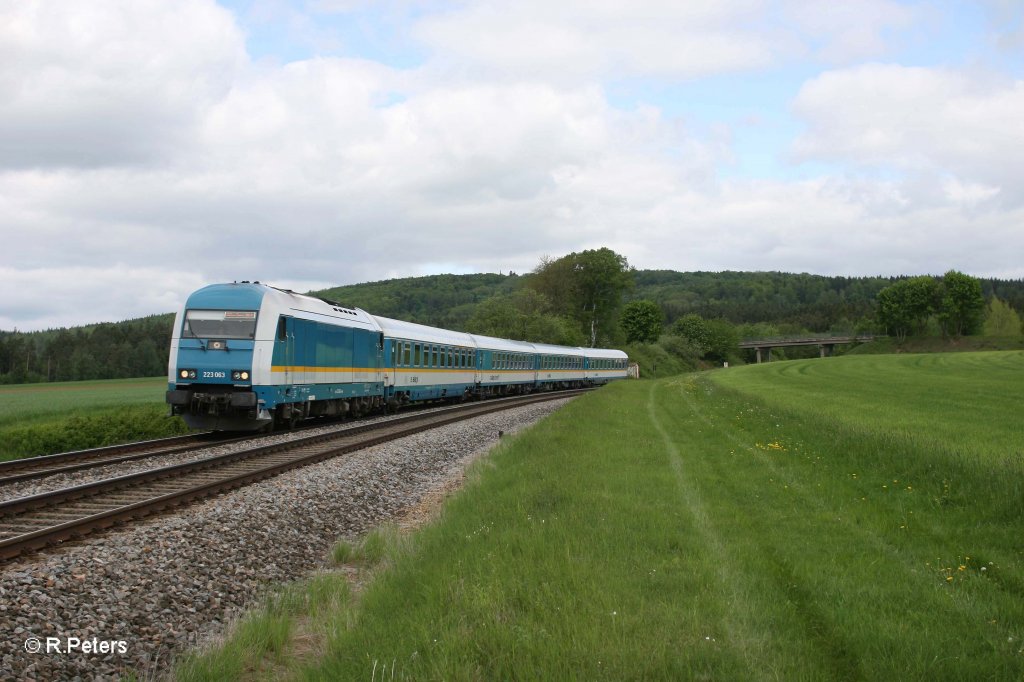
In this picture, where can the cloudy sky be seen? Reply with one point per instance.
(150, 147)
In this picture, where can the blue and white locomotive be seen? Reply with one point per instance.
(246, 356)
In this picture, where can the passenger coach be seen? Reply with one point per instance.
(247, 356)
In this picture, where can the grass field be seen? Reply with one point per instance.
(846, 518)
(23, 403)
(39, 419)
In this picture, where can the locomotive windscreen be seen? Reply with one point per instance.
(220, 324)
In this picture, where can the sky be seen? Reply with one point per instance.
(148, 148)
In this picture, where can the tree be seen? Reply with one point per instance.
(691, 327)
(587, 287)
(962, 306)
(1001, 319)
(524, 316)
(904, 307)
(642, 321)
(717, 339)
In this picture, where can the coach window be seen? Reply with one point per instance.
(407, 354)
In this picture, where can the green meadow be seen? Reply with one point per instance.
(829, 519)
(40, 419)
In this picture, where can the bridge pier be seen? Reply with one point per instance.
(826, 344)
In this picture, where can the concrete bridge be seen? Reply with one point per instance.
(825, 344)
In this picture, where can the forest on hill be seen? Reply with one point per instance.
(578, 299)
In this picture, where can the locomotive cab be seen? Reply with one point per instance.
(210, 382)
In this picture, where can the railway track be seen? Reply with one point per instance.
(35, 522)
(28, 468)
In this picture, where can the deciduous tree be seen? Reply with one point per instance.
(588, 287)
(642, 321)
(961, 304)
(1001, 319)
(904, 307)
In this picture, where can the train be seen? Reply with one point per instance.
(248, 356)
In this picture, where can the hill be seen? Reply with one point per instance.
(797, 302)
(437, 300)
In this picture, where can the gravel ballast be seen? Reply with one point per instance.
(140, 596)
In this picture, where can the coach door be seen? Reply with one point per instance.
(284, 360)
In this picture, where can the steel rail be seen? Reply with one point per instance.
(26, 468)
(94, 506)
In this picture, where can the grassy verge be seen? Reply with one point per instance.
(40, 419)
(937, 344)
(683, 529)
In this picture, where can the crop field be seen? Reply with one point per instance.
(845, 518)
(27, 402)
(38, 419)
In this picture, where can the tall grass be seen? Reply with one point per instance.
(41, 419)
(681, 529)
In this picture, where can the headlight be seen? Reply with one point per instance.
(187, 374)
(239, 375)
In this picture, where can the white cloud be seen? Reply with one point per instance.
(142, 135)
(579, 39)
(49, 298)
(970, 125)
(114, 82)
(840, 33)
